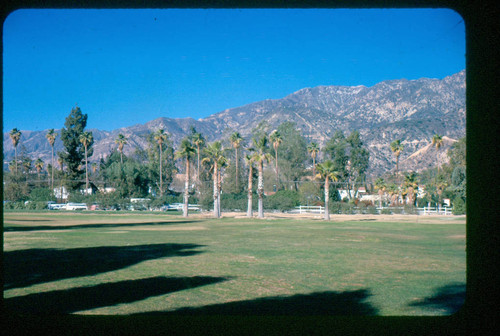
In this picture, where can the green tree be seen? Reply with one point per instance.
(313, 150)
(336, 150)
(260, 154)
(358, 160)
(160, 137)
(15, 136)
(293, 154)
(74, 152)
(186, 151)
(236, 140)
(121, 141)
(51, 138)
(86, 140)
(326, 170)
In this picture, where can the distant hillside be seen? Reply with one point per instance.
(410, 110)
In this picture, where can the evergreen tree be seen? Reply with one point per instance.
(74, 151)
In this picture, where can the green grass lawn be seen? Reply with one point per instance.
(112, 264)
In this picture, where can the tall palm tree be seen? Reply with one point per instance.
(121, 140)
(186, 151)
(396, 148)
(15, 136)
(236, 140)
(261, 154)
(161, 137)
(215, 156)
(380, 185)
(437, 141)
(276, 139)
(39, 166)
(249, 161)
(198, 140)
(327, 171)
(51, 138)
(313, 149)
(86, 140)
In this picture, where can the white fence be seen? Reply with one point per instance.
(309, 209)
(303, 209)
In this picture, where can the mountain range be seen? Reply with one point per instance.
(410, 110)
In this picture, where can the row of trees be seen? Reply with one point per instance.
(150, 172)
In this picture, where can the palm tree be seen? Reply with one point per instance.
(397, 147)
(236, 140)
(121, 140)
(249, 161)
(215, 156)
(380, 185)
(27, 167)
(86, 140)
(392, 190)
(260, 155)
(186, 151)
(161, 137)
(313, 149)
(39, 166)
(410, 187)
(437, 141)
(15, 136)
(276, 140)
(51, 138)
(198, 140)
(440, 187)
(327, 171)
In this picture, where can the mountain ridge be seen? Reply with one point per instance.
(411, 110)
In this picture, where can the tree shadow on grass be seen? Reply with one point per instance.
(27, 267)
(90, 226)
(318, 303)
(449, 298)
(103, 295)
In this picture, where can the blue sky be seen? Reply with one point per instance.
(124, 67)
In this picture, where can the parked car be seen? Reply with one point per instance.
(55, 206)
(76, 206)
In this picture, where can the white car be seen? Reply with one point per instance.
(76, 206)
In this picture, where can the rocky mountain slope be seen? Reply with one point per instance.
(410, 110)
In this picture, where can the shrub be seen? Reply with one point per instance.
(283, 200)
(372, 210)
(42, 195)
(459, 207)
(410, 209)
(386, 211)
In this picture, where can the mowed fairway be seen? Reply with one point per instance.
(100, 263)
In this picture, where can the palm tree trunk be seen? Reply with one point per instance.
(237, 184)
(198, 168)
(216, 193)
(277, 173)
(327, 196)
(161, 179)
(260, 190)
(250, 205)
(186, 190)
(86, 173)
(52, 173)
(219, 188)
(314, 167)
(15, 155)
